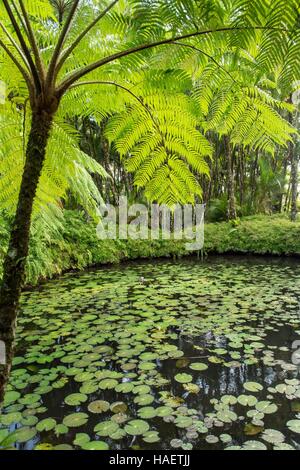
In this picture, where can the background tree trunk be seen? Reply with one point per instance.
(231, 211)
(294, 182)
(15, 261)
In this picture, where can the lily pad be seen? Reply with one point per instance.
(151, 437)
(294, 425)
(247, 400)
(137, 427)
(253, 387)
(76, 399)
(98, 406)
(95, 445)
(273, 436)
(198, 366)
(46, 425)
(266, 407)
(183, 378)
(106, 428)
(75, 420)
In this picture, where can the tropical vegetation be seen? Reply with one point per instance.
(164, 101)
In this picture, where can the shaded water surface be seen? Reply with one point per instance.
(194, 355)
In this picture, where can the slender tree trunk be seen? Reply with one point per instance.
(293, 158)
(231, 211)
(294, 183)
(15, 261)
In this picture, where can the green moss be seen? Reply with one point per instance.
(76, 246)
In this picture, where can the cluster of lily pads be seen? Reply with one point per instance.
(197, 357)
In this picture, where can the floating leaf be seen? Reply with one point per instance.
(198, 366)
(21, 435)
(144, 400)
(151, 437)
(164, 411)
(252, 386)
(183, 378)
(137, 427)
(46, 425)
(98, 406)
(76, 399)
(273, 436)
(108, 384)
(247, 400)
(183, 421)
(95, 445)
(106, 428)
(75, 420)
(252, 430)
(119, 407)
(80, 439)
(11, 397)
(227, 416)
(125, 387)
(254, 445)
(294, 425)
(212, 439)
(147, 412)
(266, 407)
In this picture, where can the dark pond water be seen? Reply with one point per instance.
(194, 355)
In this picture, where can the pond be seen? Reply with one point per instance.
(162, 355)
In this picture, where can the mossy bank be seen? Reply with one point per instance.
(74, 244)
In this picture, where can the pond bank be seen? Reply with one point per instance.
(76, 247)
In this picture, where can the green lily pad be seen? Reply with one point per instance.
(125, 387)
(75, 420)
(95, 445)
(76, 399)
(227, 416)
(273, 436)
(266, 407)
(151, 437)
(254, 445)
(60, 430)
(252, 386)
(137, 427)
(21, 435)
(247, 400)
(46, 425)
(10, 397)
(99, 406)
(108, 384)
(164, 411)
(183, 378)
(80, 439)
(106, 428)
(183, 421)
(198, 366)
(147, 412)
(144, 400)
(294, 425)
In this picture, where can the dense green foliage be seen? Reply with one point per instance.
(73, 243)
(228, 70)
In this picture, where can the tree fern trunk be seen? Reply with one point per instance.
(294, 183)
(231, 211)
(15, 261)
